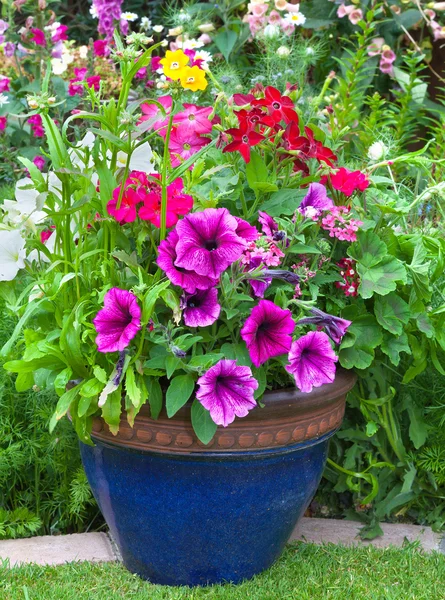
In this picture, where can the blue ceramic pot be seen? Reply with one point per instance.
(187, 514)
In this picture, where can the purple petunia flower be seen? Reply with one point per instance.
(227, 390)
(188, 280)
(246, 230)
(268, 224)
(201, 308)
(312, 361)
(259, 286)
(208, 242)
(267, 332)
(335, 326)
(118, 321)
(315, 202)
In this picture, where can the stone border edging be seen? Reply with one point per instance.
(98, 547)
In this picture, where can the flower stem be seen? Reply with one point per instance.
(165, 164)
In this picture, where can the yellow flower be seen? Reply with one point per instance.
(193, 78)
(174, 63)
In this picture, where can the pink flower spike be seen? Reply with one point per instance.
(118, 322)
(312, 361)
(267, 332)
(101, 48)
(227, 391)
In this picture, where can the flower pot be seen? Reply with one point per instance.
(183, 513)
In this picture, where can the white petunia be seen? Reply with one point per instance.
(141, 160)
(296, 18)
(12, 254)
(158, 28)
(26, 209)
(3, 100)
(129, 16)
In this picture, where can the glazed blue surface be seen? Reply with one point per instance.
(200, 520)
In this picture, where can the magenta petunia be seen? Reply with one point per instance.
(208, 242)
(267, 332)
(188, 280)
(118, 322)
(315, 202)
(227, 391)
(246, 230)
(201, 308)
(312, 361)
(268, 224)
(335, 327)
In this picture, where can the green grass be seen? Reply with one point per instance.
(305, 572)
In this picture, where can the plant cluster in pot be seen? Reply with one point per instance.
(176, 264)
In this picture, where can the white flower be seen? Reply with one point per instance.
(176, 31)
(271, 31)
(206, 27)
(158, 28)
(377, 151)
(78, 154)
(59, 66)
(141, 159)
(26, 209)
(145, 23)
(93, 11)
(50, 243)
(83, 51)
(12, 254)
(203, 55)
(164, 43)
(283, 51)
(192, 44)
(183, 16)
(297, 18)
(129, 16)
(3, 100)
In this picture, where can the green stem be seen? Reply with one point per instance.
(165, 163)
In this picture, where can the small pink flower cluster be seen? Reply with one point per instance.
(264, 251)
(437, 29)
(378, 47)
(259, 18)
(76, 84)
(36, 125)
(189, 127)
(350, 276)
(340, 225)
(58, 34)
(353, 13)
(140, 188)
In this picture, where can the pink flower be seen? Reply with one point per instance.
(177, 204)
(4, 84)
(208, 242)
(340, 225)
(344, 10)
(141, 74)
(267, 332)
(126, 213)
(60, 34)
(39, 162)
(348, 182)
(205, 39)
(355, 16)
(38, 37)
(101, 48)
(118, 322)
(36, 125)
(274, 18)
(195, 119)
(94, 82)
(190, 281)
(375, 47)
(388, 55)
(201, 309)
(386, 67)
(312, 361)
(184, 144)
(227, 391)
(246, 230)
(152, 112)
(3, 123)
(258, 10)
(315, 202)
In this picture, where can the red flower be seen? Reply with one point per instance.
(318, 151)
(178, 203)
(253, 117)
(126, 213)
(293, 140)
(281, 108)
(348, 182)
(242, 140)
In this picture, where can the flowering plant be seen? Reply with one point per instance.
(180, 252)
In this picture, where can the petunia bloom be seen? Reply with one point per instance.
(312, 361)
(246, 230)
(201, 308)
(208, 242)
(267, 332)
(335, 326)
(118, 322)
(190, 281)
(315, 202)
(227, 391)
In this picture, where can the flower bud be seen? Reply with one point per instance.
(283, 51)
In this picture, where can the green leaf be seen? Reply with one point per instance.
(283, 202)
(256, 170)
(91, 387)
(381, 278)
(71, 346)
(24, 382)
(111, 410)
(63, 405)
(393, 346)
(418, 428)
(225, 42)
(132, 389)
(357, 348)
(369, 249)
(371, 428)
(154, 396)
(61, 380)
(392, 313)
(100, 374)
(171, 364)
(178, 393)
(83, 405)
(150, 300)
(133, 410)
(202, 422)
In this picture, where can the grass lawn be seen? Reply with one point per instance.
(305, 572)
